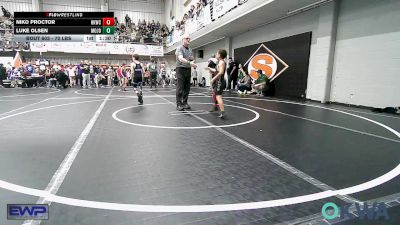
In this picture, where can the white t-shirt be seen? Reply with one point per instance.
(194, 74)
(109, 72)
(56, 67)
(71, 72)
(8, 67)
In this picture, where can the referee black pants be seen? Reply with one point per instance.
(183, 86)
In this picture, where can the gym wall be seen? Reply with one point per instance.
(354, 60)
(367, 57)
(301, 23)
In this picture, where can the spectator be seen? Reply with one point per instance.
(71, 74)
(79, 72)
(199, 8)
(9, 67)
(56, 67)
(232, 72)
(152, 66)
(163, 73)
(194, 76)
(110, 75)
(185, 18)
(62, 78)
(6, 13)
(173, 77)
(260, 83)
(100, 79)
(29, 68)
(123, 28)
(116, 21)
(244, 84)
(191, 11)
(3, 74)
(127, 20)
(85, 74)
(92, 73)
(202, 82)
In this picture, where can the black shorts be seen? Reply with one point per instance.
(219, 86)
(153, 75)
(163, 77)
(137, 81)
(194, 78)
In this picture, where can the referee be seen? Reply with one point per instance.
(184, 63)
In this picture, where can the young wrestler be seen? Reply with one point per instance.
(137, 77)
(218, 82)
(212, 68)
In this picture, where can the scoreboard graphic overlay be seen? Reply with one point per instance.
(64, 26)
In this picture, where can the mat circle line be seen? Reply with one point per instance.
(115, 117)
(206, 208)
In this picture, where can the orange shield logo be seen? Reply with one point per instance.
(267, 61)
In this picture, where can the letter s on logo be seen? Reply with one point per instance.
(265, 62)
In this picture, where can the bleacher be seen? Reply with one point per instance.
(198, 17)
(151, 33)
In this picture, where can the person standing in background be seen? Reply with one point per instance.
(85, 74)
(121, 77)
(232, 72)
(152, 66)
(71, 75)
(163, 73)
(92, 72)
(79, 79)
(110, 76)
(184, 63)
(3, 75)
(234, 75)
(194, 77)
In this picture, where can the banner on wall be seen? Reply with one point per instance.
(204, 17)
(129, 49)
(283, 62)
(267, 61)
(207, 15)
(192, 25)
(220, 7)
(97, 48)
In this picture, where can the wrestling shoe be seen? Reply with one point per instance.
(222, 115)
(186, 106)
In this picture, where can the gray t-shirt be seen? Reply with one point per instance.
(187, 54)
